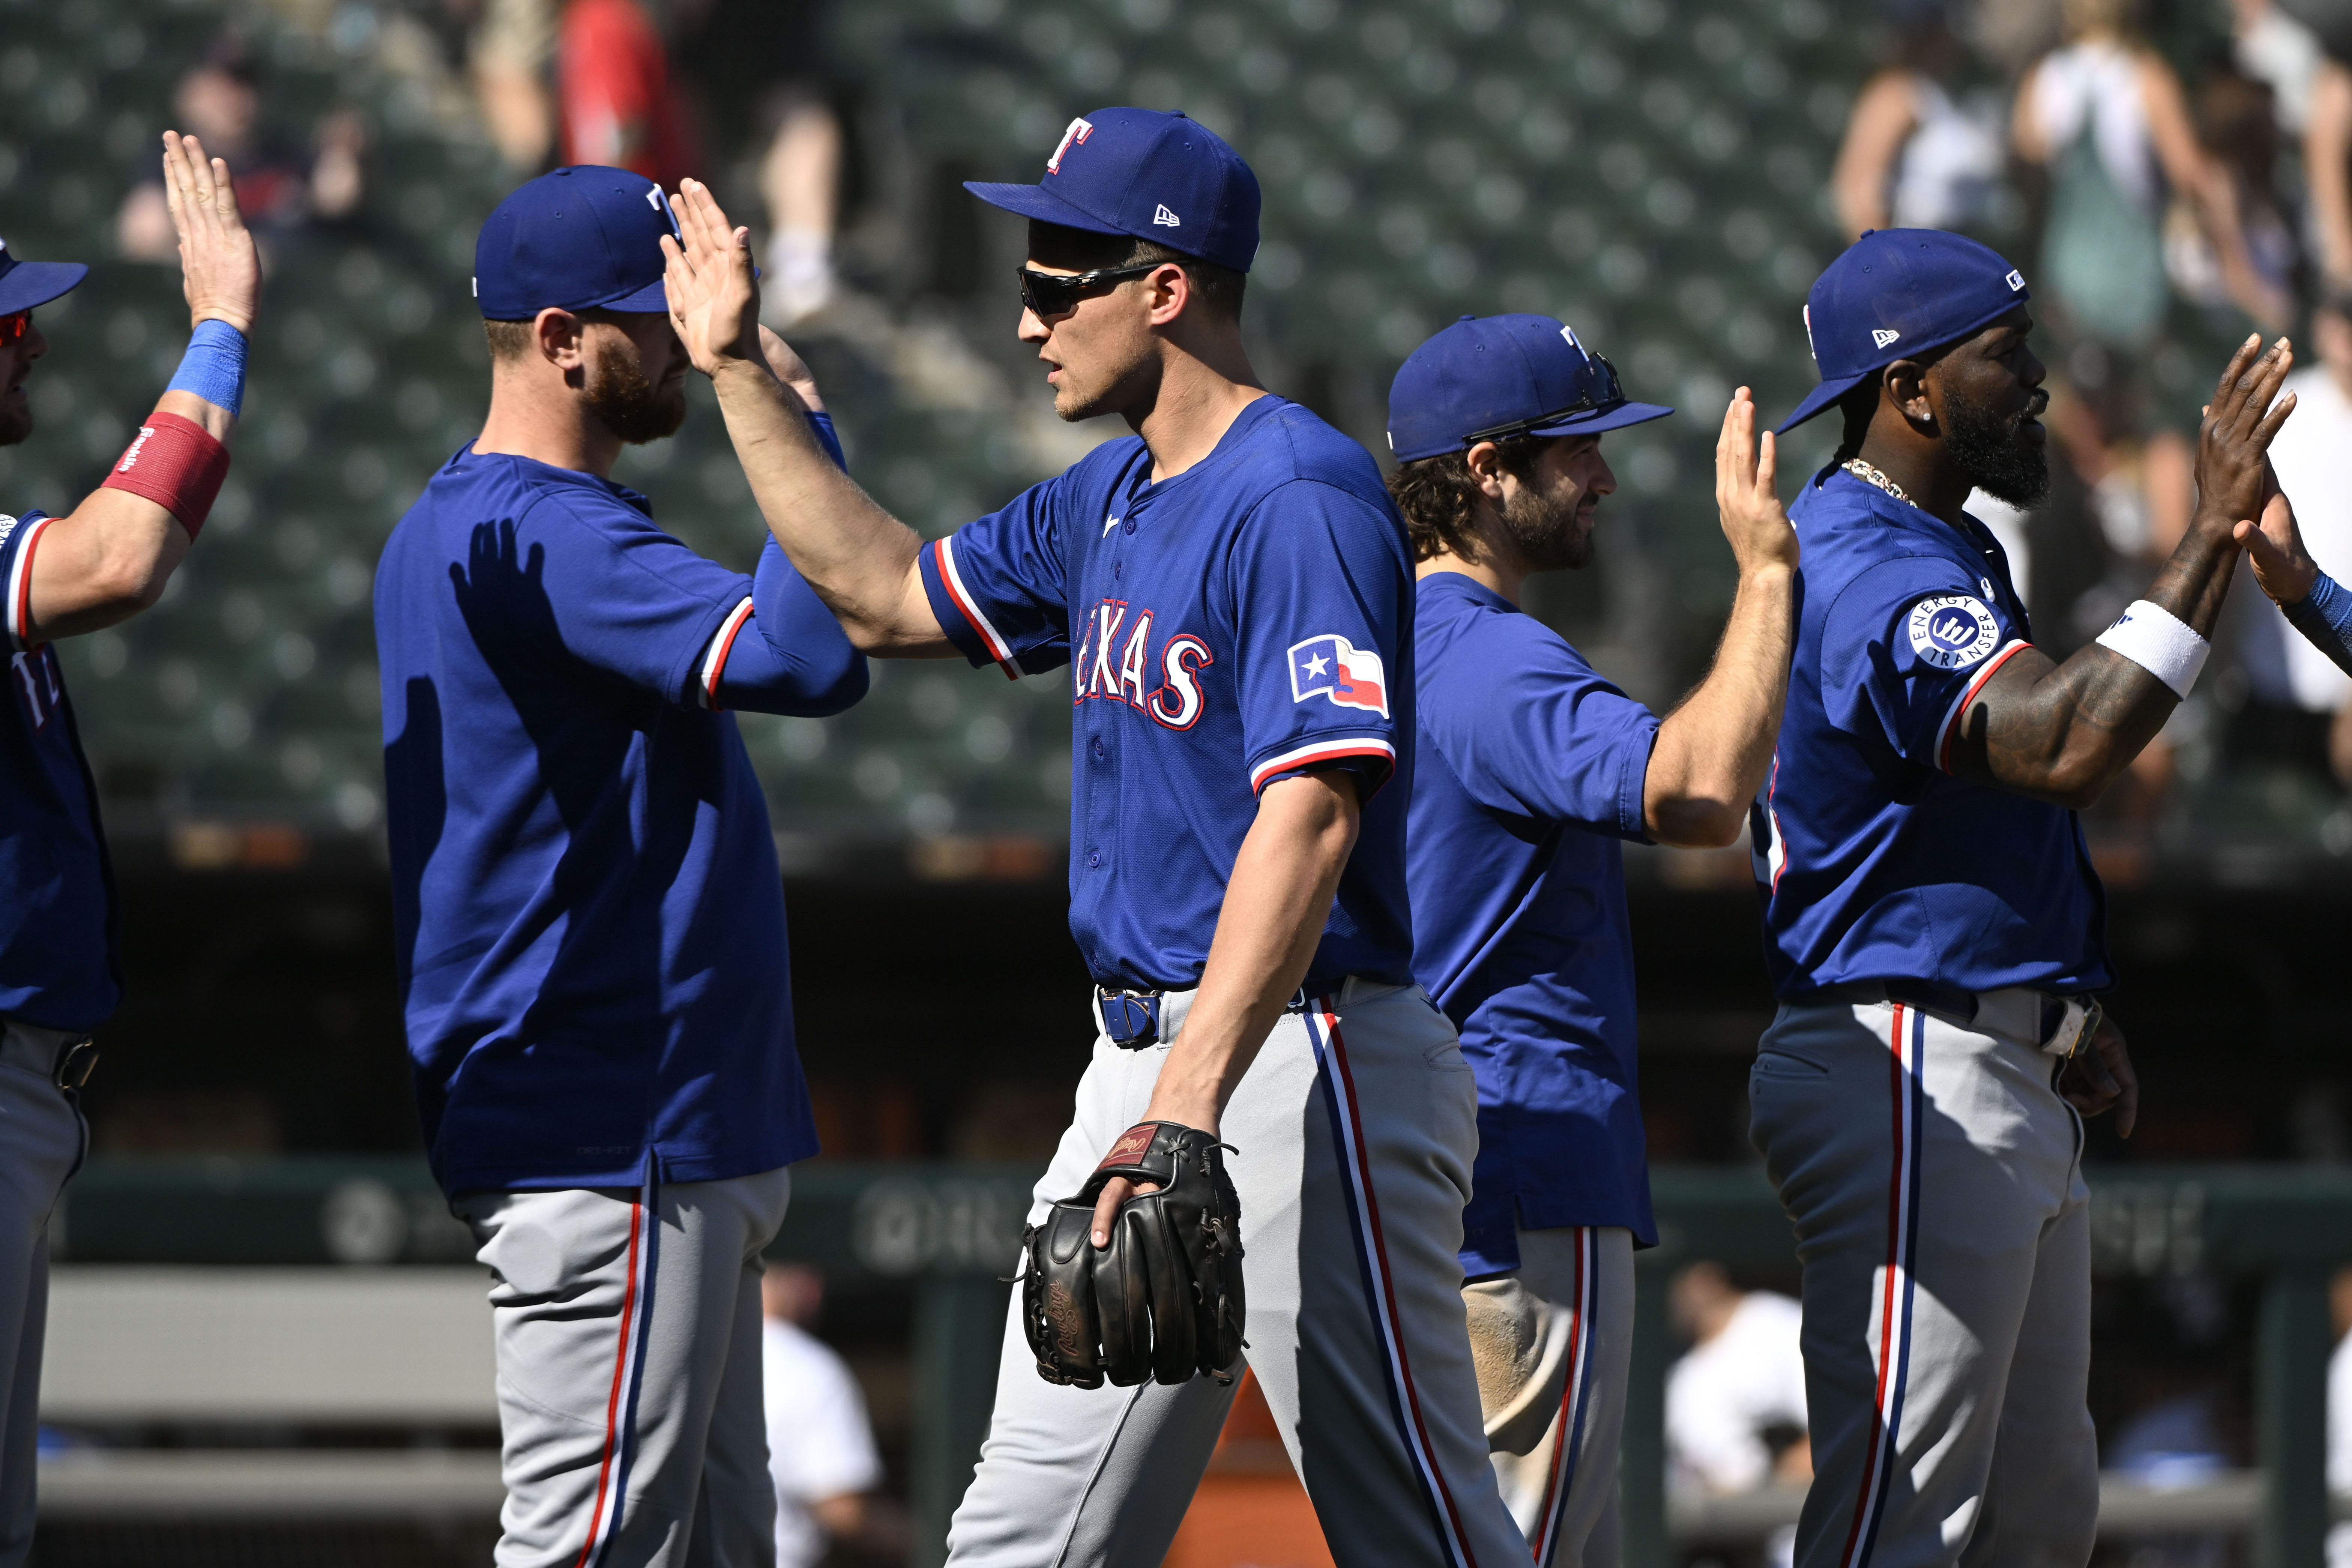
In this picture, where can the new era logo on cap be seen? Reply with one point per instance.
(2016, 280)
(1883, 336)
(1160, 214)
(1079, 130)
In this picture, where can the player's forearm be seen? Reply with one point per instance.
(113, 555)
(2064, 732)
(1276, 905)
(858, 558)
(1711, 752)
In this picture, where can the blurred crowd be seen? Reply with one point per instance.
(2164, 195)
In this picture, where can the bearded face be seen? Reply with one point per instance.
(2004, 455)
(1550, 526)
(633, 408)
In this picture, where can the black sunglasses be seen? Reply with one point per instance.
(1604, 395)
(1057, 294)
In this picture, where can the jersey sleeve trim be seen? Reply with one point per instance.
(19, 607)
(998, 648)
(1331, 749)
(1951, 724)
(722, 643)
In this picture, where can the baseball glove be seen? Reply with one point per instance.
(1163, 1299)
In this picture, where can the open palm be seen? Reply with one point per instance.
(714, 300)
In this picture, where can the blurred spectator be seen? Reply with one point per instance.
(2108, 116)
(1914, 156)
(1735, 1400)
(2299, 706)
(2237, 126)
(2280, 53)
(761, 70)
(617, 105)
(2173, 1440)
(511, 57)
(278, 188)
(820, 1448)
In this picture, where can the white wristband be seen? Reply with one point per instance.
(2159, 642)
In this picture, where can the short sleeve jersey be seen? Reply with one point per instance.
(58, 967)
(1229, 626)
(588, 911)
(1528, 776)
(1874, 861)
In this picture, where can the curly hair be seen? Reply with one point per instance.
(1440, 499)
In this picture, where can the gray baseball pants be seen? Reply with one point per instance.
(630, 1405)
(41, 1130)
(1356, 1128)
(1554, 1341)
(1934, 1176)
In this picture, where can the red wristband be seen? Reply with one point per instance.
(176, 464)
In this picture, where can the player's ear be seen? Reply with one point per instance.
(560, 337)
(1484, 462)
(1907, 388)
(1168, 290)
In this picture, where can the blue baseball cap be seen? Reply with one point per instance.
(579, 238)
(1897, 293)
(25, 284)
(1149, 175)
(1486, 378)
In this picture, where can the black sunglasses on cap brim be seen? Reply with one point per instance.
(1603, 395)
(1057, 294)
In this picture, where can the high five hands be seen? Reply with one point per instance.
(714, 299)
(220, 270)
(714, 295)
(1754, 520)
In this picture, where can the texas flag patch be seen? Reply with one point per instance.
(1334, 667)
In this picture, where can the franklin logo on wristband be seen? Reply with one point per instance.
(178, 466)
(131, 454)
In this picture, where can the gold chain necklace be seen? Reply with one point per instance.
(1870, 475)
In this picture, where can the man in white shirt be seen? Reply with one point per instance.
(820, 1448)
(2288, 677)
(1744, 1377)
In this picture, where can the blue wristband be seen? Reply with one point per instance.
(828, 438)
(2325, 617)
(213, 366)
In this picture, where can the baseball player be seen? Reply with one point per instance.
(1933, 925)
(589, 916)
(103, 562)
(1230, 591)
(1530, 769)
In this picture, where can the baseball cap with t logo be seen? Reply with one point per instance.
(1149, 176)
(583, 237)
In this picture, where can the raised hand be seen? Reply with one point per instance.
(2233, 477)
(220, 270)
(2284, 569)
(714, 299)
(1753, 519)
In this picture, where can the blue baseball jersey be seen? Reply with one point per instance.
(1527, 776)
(1232, 625)
(58, 967)
(590, 915)
(1874, 861)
